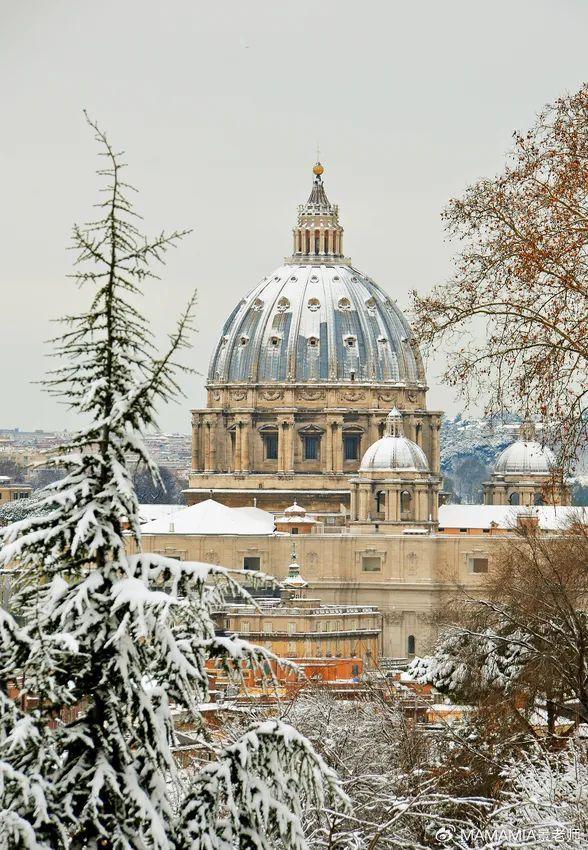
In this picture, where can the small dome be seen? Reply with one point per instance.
(395, 454)
(295, 510)
(527, 457)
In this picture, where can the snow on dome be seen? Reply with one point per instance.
(527, 457)
(321, 323)
(210, 517)
(394, 451)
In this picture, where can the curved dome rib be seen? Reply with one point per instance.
(525, 456)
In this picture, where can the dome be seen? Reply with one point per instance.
(394, 451)
(525, 456)
(320, 323)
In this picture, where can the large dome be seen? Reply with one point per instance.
(525, 456)
(316, 322)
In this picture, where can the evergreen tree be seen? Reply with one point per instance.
(121, 638)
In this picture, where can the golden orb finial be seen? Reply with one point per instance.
(318, 169)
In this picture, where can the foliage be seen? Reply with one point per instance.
(165, 489)
(119, 640)
(522, 270)
(525, 635)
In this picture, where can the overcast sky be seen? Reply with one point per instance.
(219, 106)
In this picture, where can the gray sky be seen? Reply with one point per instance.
(219, 106)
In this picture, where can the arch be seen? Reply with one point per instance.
(538, 499)
(411, 645)
(405, 501)
(418, 434)
(380, 500)
(514, 499)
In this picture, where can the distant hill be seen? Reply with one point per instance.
(469, 448)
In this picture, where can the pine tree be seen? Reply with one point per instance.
(120, 638)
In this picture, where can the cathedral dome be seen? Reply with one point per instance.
(394, 451)
(316, 318)
(527, 457)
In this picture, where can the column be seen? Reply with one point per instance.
(195, 444)
(237, 458)
(212, 445)
(321, 241)
(353, 507)
(206, 440)
(289, 460)
(329, 447)
(246, 445)
(363, 503)
(435, 460)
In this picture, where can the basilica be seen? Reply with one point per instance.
(317, 425)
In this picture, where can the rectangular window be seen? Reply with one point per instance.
(351, 446)
(291, 628)
(311, 447)
(251, 563)
(270, 442)
(479, 565)
(268, 626)
(371, 564)
(292, 647)
(245, 627)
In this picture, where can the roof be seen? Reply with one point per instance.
(147, 513)
(210, 517)
(525, 457)
(505, 516)
(324, 323)
(394, 454)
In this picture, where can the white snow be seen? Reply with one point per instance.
(505, 516)
(210, 517)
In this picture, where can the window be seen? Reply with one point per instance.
(294, 530)
(351, 446)
(538, 499)
(270, 442)
(411, 644)
(479, 565)
(268, 626)
(245, 626)
(405, 500)
(311, 447)
(292, 647)
(291, 628)
(251, 562)
(514, 499)
(371, 564)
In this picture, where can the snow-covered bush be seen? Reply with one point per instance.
(117, 639)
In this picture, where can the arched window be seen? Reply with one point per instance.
(411, 645)
(380, 500)
(514, 499)
(418, 432)
(405, 500)
(538, 500)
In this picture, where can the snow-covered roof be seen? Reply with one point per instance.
(210, 517)
(505, 516)
(147, 513)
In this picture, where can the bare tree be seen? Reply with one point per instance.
(523, 272)
(525, 637)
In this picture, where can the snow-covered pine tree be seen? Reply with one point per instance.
(120, 638)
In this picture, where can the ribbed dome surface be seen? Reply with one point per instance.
(525, 456)
(395, 454)
(323, 323)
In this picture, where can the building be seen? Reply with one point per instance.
(10, 492)
(525, 473)
(300, 628)
(316, 425)
(306, 369)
